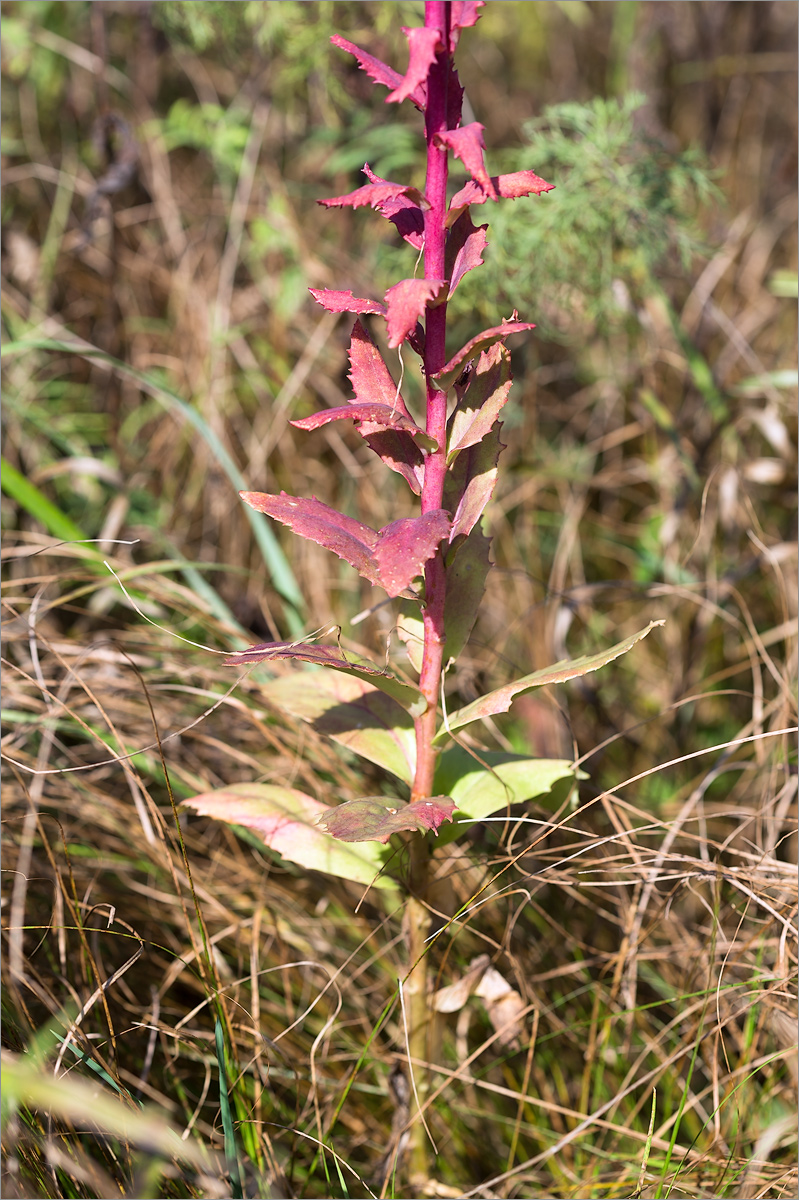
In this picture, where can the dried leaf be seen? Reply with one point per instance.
(404, 546)
(402, 212)
(481, 341)
(406, 302)
(501, 699)
(452, 998)
(422, 44)
(481, 402)
(465, 245)
(468, 145)
(345, 302)
(467, 569)
(375, 818)
(504, 1006)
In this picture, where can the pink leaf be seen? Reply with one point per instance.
(402, 212)
(375, 818)
(448, 374)
(406, 302)
(331, 656)
(482, 401)
(506, 187)
(375, 416)
(465, 245)
(345, 302)
(467, 144)
(501, 699)
(376, 69)
(369, 375)
(312, 519)
(398, 451)
(404, 546)
(376, 195)
(422, 44)
(464, 14)
(470, 482)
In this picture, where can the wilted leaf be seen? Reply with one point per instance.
(469, 482)
(481, 403)
(452, 998)
(375, 195)
(464, 251)
(467, 144)
(422, 45)
(481, 341)
(404, 546)
(375, 818)
(351, 712)
(501, 699)
(467, 568)
(345, 302)
(402, 212)
(504, 1006)
(505, 187)
(286, 821)
(406, 301)
(376, 69)
(334, 658)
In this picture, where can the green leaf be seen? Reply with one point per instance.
(285, 819)
(478, 792)
(467, 569)
(501, 699)
(351, 712)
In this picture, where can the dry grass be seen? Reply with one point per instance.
(648, 932)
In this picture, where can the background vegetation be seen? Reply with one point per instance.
(192, 1017)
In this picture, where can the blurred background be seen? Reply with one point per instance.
(161, 166)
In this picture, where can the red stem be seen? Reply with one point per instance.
(437, 14)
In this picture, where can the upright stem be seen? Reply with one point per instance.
(437, 14)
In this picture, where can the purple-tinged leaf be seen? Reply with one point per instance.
(375, 818)
(376, 195)
(320, 523)
(454, 98)
(467, 568)
(465, 246)
(345, 302)
(337, 660)
(410, 630)
(404, 546)
(351, 712)
(398, 451)
(470, 482)
(481, 403)
(407, 301)
(422, 44)
(448, 374)
(500, 700)
(287, 822)
(463, 14)
(370, 377)
(402, 212)
(376, 69)
(374, 416)
(467, 144)
(503, 187)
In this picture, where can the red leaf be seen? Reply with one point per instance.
(375, 818)
(369, 375)
(454, 98)
(376, 195)
(482, 401)
(465, 245)
(398, 451)
(464, 13)
(448, 374)
(505, 187)
(470, 482)
(376, 69)
(406, 302)
(404, 546)
(467, 144)
(312, 519)
(345, 302)
(422, 44)
(405, 215)
(374, 417)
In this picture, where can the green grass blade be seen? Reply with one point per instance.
(231, 1155)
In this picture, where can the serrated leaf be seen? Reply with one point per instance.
(406, 301)
(286, 821)
(481, 341)
(375, 195)
(404, 546)
(501, 699)
(464, 251)
(375, 818)
(504, 187)
(468, 145)
(422, 44)
(336, 660)
(378, 416)
(346, 302)
(351, 712)
(375, 69)
(479, 406)
(398, 451)
(406, 216)
(370, 377)
(470, 481)
(512, 779)
(467, 569)
(463, 14)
